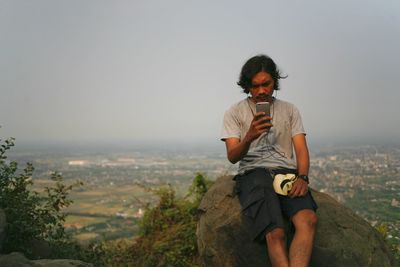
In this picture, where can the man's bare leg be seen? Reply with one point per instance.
(305, 222)
(276, 246)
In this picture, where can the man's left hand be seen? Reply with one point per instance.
(299, 189)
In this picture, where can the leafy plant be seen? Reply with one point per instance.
(30, 216)
(383, 229)
(167, 231)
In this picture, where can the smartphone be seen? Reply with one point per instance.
(264, 107)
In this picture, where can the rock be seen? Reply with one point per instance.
(343, 238)
(2, 228)
(17, 259)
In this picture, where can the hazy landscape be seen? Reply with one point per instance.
(118, 182)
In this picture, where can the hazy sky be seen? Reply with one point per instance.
(167, 70)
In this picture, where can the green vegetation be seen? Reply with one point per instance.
(32, 217)
(383, 229)
(167, 232)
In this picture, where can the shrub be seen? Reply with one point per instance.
(167, 231)
(383, 229)
(30, 216)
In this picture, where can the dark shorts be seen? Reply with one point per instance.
(264, 209)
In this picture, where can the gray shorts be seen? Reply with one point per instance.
(264, 209)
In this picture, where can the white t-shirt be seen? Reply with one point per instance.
(272, 150)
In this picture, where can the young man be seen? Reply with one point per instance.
(264, 147)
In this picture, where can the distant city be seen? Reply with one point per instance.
(364, 178)
(118, 182)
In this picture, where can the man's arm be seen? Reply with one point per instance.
(236, 149)
(300, 187)
(302, 155)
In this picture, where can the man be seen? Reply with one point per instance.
(264, 147)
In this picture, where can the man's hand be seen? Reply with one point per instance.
(259, 125)
(299, 189)
(236, 148)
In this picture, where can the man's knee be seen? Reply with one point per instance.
(276, 235)
(305, 219)
(311, 219)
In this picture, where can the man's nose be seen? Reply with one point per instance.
(263, 89)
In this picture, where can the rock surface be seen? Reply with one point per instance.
(343, 239)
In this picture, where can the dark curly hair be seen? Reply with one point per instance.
(255, 65)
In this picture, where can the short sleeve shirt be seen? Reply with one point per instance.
(273, 149)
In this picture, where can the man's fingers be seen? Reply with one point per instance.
(299, 189)
(263, 128)
(261, 117)
(266, 125)
(293, 191)
(263, 124)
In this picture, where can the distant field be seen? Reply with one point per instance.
(82, 221)
(86, 238)
(104, 200)
(105, 212)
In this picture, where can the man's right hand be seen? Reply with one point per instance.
(237, 148)
(259, 125)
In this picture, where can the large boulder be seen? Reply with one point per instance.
(343, 239)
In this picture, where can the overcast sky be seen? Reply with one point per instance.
(137, 71)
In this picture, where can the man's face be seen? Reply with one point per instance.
(262, 87)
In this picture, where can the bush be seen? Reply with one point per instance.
(383, 229)
(167, 232)
(31, 217)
